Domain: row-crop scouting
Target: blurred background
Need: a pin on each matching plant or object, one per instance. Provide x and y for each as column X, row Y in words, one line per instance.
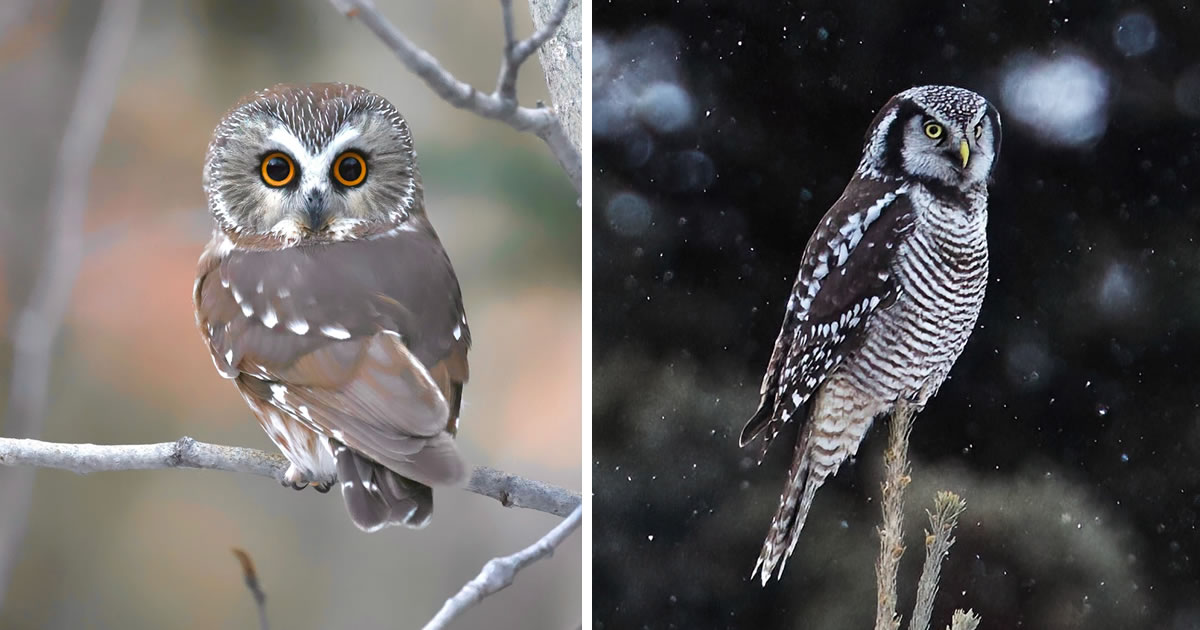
column 1071, row 424
column 151, row 549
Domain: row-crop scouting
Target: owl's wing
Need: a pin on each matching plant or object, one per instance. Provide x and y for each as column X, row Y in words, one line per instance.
column 363, row 341
column 844, row 276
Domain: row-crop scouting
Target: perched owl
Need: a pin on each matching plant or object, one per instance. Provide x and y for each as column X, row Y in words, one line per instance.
column 888, row 291
column 326, row 297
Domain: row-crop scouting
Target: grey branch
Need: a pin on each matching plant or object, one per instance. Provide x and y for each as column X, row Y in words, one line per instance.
column 510, row 490
column 38, row 323
column 500, row 572
column 515, row 53
column 891, row 532
column 499, row 105
column 947, row 507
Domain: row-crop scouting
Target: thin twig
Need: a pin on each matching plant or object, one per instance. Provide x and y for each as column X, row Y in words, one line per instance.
column 542, row 121
column 500, row 572
column 947, row 507
column 38, row 324
column 515, row 53
column 510, row 490
column 891, row 532
column 251, row 577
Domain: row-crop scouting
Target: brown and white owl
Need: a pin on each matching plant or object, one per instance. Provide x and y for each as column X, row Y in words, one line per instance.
column 326, row 297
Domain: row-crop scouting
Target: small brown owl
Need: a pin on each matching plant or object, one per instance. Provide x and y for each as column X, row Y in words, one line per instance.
column 326, row 297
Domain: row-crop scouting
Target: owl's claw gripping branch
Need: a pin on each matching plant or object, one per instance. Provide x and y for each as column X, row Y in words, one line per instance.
column 510, row 490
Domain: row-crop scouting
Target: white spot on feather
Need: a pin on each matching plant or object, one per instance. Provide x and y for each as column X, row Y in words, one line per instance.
column 842, row 254
column 279, row 393
column 457, row 332
column 269, row 319
column 334, row 331
column 298, row 326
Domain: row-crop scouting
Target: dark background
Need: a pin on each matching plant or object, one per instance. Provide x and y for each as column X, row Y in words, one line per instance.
column 1071, row 423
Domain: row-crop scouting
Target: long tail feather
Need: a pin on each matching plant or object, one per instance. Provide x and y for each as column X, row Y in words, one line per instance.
column 794, row 504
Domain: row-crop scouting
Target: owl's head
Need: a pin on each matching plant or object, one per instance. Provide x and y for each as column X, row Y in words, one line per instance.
column 315, row 162
column 938, row 134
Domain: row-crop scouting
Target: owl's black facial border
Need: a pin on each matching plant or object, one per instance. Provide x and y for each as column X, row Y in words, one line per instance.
column 893, row 156
column 993, row 115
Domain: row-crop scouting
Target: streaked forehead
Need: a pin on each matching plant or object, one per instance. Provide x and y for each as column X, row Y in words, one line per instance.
column 316, row 114
column 948, row 102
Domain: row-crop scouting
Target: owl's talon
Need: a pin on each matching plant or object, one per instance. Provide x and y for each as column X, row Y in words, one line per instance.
column 323, row 487
column 294, row 478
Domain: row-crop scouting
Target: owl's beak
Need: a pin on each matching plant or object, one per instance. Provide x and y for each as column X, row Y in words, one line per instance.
column 316, row 210
column 965, row 151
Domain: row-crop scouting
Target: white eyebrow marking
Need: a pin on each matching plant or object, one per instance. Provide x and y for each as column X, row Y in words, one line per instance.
column 288, row 140
column 343, row 137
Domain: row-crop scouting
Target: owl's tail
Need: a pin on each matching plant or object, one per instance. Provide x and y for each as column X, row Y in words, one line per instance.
column 376, row 497
column 794, row 503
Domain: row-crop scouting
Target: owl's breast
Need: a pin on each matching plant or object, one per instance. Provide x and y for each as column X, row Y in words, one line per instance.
column 940, row 269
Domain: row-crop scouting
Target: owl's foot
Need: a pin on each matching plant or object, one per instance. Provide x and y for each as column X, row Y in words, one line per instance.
column 296, row 479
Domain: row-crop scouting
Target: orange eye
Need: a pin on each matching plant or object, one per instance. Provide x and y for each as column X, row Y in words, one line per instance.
column 350, row 169
column 278, row 169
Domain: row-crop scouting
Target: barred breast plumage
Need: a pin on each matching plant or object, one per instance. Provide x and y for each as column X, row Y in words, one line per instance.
column 890, row 287
column 941, row 268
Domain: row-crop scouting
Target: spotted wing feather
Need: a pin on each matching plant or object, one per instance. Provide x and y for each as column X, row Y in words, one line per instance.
column 364, row 342
column 844, row 276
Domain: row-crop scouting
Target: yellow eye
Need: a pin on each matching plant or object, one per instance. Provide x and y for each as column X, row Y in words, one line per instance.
column 978, row 131
column 350, row 169
column 933, row 130
column 278, row 170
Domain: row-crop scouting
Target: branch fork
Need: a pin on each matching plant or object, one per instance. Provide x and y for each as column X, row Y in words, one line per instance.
column 501, row 104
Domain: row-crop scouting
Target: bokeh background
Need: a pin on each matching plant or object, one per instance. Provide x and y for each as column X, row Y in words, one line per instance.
column 723, row 131
column 151, row 549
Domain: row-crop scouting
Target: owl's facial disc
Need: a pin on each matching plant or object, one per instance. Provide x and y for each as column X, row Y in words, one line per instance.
column 952, row 151
column 324, row 161
column 941, row 135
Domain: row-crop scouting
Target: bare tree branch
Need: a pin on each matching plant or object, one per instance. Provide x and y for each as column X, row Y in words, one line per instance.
column 500, row 104
column 38, row 323
column 515, row 53
column 500, row 572
column 510, row 490
column 891, row 532
column 947, row 507
column 251, row 577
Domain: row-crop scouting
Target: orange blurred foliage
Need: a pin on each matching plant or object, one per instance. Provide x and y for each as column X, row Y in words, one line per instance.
column 535, row 337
